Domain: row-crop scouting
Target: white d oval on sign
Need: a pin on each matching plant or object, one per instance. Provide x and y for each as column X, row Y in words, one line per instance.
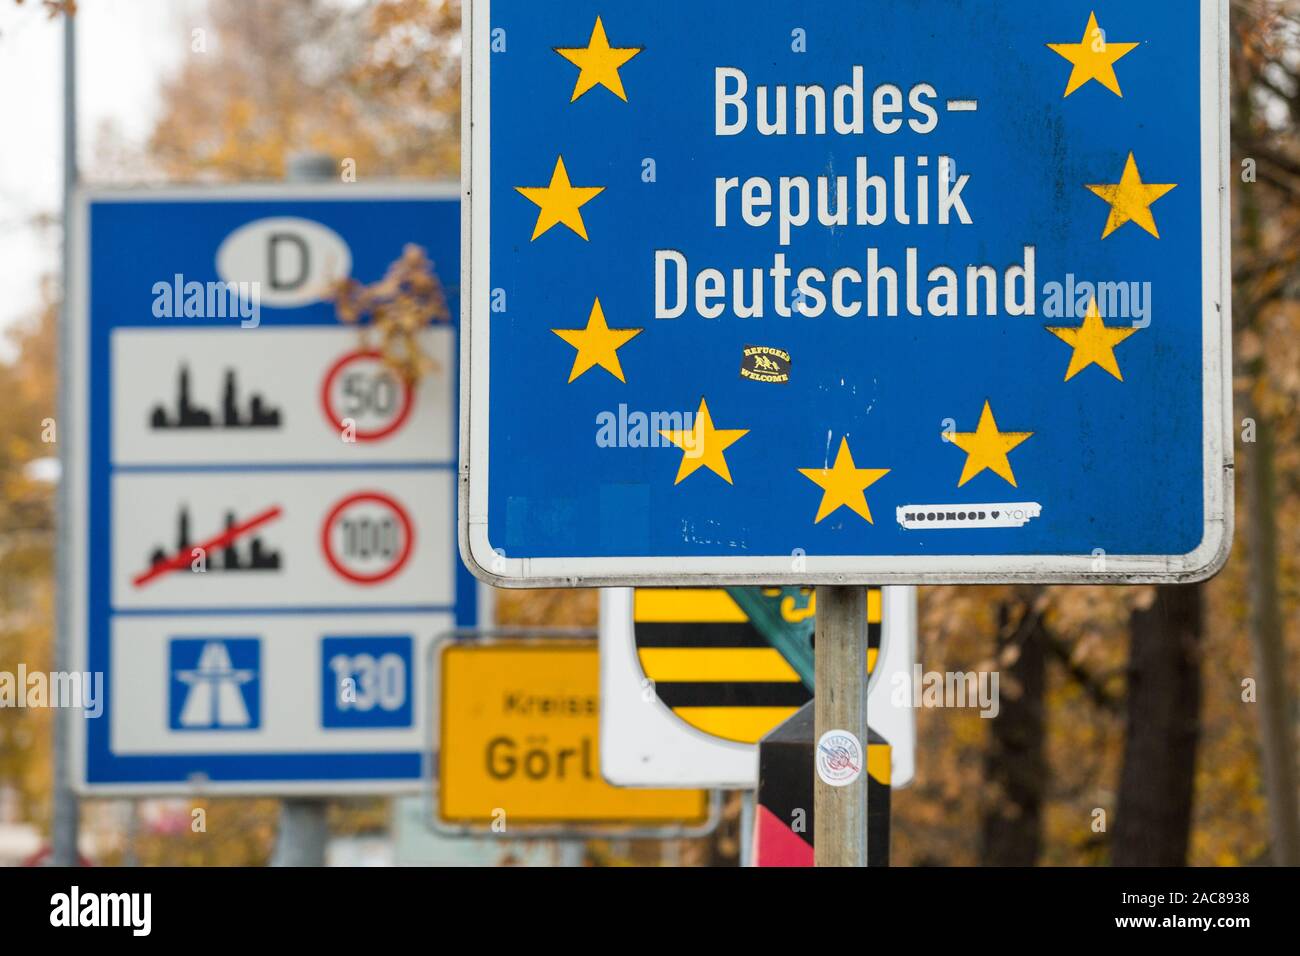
column 293, row 261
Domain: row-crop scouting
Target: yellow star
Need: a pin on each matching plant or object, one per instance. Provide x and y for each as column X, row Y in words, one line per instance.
column 1094, row 343
column 986, row 448
column 599, row 63
column 560, row 201
column 597, row 344
column 1094, row 58
column 843, row 485
column 1131, row 199
column 703, row 446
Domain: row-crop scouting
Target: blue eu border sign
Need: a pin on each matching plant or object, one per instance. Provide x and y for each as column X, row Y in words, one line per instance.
column 261, row 511
column 846, row 293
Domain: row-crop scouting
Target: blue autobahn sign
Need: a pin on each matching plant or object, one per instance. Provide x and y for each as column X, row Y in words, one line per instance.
column 846, row 292
column 261, row 510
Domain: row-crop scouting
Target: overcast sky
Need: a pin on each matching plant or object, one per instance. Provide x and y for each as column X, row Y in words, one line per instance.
column 125, row 48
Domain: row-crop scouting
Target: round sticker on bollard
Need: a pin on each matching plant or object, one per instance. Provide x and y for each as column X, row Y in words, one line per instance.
column 839, row 758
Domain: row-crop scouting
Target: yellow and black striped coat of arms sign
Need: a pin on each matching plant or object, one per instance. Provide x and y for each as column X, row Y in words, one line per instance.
column 710, row 665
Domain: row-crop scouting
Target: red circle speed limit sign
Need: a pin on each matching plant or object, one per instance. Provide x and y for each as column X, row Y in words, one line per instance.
column 367, row 537
column 362, row 390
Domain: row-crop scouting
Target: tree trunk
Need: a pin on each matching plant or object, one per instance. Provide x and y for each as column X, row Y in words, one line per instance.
column 1277, row 737
column 1015, row 766
column 1268, row 644
column 1153, row 819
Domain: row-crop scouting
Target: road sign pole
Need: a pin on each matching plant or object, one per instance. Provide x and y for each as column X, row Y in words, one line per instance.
column 66, row 816
column 748, row 801
column 304, row 831
column 304, row 827
column 840, row 760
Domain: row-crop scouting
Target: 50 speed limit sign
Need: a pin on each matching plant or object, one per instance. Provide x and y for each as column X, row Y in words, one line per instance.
column 365, row 397
column 368, row 537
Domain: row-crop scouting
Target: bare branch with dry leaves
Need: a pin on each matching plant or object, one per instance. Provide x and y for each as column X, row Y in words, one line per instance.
column 400, row 306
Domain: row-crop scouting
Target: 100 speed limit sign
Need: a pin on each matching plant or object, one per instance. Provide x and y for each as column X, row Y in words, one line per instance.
column 367, row 538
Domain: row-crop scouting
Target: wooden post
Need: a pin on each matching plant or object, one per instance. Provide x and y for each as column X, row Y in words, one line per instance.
column 840, row 757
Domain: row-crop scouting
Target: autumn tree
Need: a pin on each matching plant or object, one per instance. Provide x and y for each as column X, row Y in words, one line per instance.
column 1015, row 761
column 28, row 432
column 1154, row 816
column 1266, row 110
column 378, row 85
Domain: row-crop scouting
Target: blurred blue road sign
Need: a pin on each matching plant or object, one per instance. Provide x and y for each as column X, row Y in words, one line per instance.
column 846, row 293
column 261, row 510
column 369, row 681
column 215, row 683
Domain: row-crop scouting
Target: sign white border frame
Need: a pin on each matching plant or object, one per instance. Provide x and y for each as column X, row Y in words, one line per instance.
column 500, row 570
column 76, row 456
column 644, row 744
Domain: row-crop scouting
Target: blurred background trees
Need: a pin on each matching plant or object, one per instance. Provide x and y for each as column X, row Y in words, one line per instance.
column 1138, row 725
column 27, row 551
column 1266, row 106
column 377, row 83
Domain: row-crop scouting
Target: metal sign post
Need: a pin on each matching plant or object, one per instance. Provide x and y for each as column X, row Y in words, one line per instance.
column 304, row 822
column 65, row 810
